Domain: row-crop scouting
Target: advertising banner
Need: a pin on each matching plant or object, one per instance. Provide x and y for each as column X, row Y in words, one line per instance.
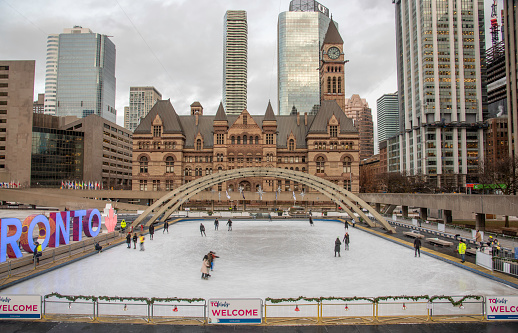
column 20, row 307
column 502, row 307
column 235, row 311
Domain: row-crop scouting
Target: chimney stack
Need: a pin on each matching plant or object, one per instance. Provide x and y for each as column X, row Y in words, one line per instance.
column 305, row 119
column 298, row 119
column 196, row 114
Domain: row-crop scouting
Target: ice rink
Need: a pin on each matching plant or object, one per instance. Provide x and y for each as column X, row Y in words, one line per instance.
column 261, row 259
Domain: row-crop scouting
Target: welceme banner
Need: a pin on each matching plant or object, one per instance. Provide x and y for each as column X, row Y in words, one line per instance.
column 235, row 311
column 502, row 307
column 20, row 307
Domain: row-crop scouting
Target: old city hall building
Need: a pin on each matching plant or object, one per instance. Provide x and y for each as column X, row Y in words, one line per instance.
column 170, row 150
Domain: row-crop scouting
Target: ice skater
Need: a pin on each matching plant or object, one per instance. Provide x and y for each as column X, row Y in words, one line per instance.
column 310, row 220
column 346, row 225
column 142, row 242
column 166, row 227
column 337, row 246
column 37, row 252
column 229, row 224
column 212, row 255
column 128, row 240
column 216, row 224
column 205, row 268
column 417, row 247
column 151, row 231
column 346, row 241
column 135, row 238
column 98, row 247
column 202, row 230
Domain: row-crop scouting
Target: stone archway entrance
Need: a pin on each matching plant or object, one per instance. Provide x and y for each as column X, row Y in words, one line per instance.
column 350, row 203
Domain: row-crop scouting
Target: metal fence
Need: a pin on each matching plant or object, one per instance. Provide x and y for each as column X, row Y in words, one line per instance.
column 505, row 266
column 300, row 311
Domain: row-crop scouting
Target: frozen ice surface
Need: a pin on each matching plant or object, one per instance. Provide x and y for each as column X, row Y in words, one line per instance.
column 261, row 259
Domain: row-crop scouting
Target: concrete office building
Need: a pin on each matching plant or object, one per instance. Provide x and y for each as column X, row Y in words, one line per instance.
column 235, row 59
column 388, row 116
column 39, row 105
column 141, row 100
column 358, row 109
column 80, row 77
column 442, row 87
column 16, row 100
column 301, row 32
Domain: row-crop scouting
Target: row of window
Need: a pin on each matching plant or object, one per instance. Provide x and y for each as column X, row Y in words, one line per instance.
column 334, row 145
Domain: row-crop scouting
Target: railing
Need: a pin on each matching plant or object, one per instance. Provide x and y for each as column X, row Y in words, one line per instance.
column 276, row 311
column 505, row 266
column 20, row 266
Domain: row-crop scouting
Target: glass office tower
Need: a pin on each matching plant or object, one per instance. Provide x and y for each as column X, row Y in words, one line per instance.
column 85, row 76
column 442, row 88
column 301, row 32
column 388, row 116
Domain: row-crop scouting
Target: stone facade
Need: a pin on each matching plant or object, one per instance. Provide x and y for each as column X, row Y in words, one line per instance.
column 170, row 150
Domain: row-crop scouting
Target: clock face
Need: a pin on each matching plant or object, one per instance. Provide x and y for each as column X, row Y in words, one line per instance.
column 333, row 52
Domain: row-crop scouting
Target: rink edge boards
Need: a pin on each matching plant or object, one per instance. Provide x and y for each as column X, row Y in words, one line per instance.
column 440, row 256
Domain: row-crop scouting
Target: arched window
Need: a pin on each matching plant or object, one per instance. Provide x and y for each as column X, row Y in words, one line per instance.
column 232, row 140
column 339, row 85
column 187, row 172
column 303, row 169
column 198, row 144
column 238, row 140
column 256, row 140
column 320, row 164
column 347, row 165
column 334, row 85
column 140, row 145
column 169, row 165
column 291, row 145
column 143, row 164
column 329, row 85
column 244, row 139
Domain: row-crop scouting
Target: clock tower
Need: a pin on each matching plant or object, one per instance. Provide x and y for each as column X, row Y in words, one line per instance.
column 332, row 75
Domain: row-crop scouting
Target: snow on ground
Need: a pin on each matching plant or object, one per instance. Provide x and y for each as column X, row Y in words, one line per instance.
column 261, row 259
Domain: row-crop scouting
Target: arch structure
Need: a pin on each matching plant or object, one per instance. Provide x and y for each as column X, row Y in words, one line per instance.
column 349, row 202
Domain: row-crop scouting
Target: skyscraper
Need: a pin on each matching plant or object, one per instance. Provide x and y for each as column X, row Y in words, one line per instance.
column 80, row 74
column 235, row 49
column 141, row 100
column 301, row 32
column 388, row 118
column 358, row 109
column 511, row 60
column 442, row 88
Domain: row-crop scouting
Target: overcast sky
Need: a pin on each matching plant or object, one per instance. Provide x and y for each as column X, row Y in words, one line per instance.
column 176, row 45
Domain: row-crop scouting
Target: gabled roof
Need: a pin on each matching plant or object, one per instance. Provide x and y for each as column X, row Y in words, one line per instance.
column 327, row 110
column 221, row 115
column 164, row 109
column 269, row 115
column 332, row 34
column 195, row 104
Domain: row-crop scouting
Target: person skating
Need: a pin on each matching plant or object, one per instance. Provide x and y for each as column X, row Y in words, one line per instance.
column 202, row 230
column 151, row 231
column 462, row 250
column 346, row 225
column 310, row 220
column 229, row 224
column 141, row 228
column 417, row 246
column 346, row 241
column 212, row 255
column 166, row 227
column 337, row 246
column 205, row 268
column 142, row 242
column 128, row 240
column 98, row 247
column 216, row 224
column 135, row 238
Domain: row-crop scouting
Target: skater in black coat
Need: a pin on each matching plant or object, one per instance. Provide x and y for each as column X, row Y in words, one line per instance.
column 229, row 223
column 202, row 230
column 337, row 246
column 128, row 240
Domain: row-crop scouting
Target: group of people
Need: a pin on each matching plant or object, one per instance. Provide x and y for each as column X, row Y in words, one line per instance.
column 208, row 264
column 216, row 227
column 338, row 243
column 135, row 238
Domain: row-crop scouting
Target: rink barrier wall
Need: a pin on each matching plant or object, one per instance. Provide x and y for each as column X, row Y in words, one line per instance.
column 458, row 264
column 310, row 311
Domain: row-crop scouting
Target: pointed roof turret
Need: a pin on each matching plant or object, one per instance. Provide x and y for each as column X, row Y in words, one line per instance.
column 221, row 115
column 269, row 115
column 170, row 119
column 332, row 34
